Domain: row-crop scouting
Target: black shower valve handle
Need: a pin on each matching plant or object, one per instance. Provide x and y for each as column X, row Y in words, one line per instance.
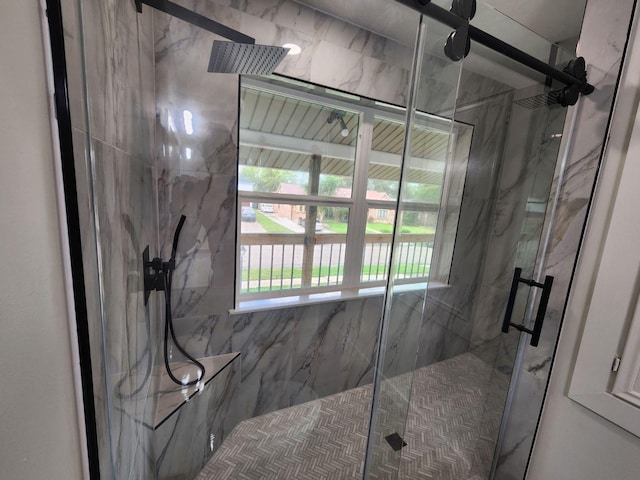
column 154, row 273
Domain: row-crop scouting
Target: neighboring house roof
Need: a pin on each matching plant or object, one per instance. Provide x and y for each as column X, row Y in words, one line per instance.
column 371, row 194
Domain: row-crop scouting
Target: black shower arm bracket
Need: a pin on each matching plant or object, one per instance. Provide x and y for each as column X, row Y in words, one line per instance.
column 542, row 306
column 573, row 76
column 196, row 19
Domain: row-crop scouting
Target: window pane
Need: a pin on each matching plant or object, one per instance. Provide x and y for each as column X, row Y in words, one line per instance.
column 425, row 169
column 385, row 159
column 425, row 175
column 415, row 248
column 294, row 146
column 291, row 246
column 377, row 244
column 415, row 245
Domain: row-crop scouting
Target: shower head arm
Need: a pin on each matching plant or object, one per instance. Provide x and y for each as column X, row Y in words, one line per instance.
column 196, row 19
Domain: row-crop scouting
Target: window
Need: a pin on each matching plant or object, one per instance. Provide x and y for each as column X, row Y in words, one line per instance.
column 318, row 186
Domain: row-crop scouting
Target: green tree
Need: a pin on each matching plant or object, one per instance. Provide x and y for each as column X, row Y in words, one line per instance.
column 265, row 179
column 422, row 192
column 329, row 184
column 389, row 187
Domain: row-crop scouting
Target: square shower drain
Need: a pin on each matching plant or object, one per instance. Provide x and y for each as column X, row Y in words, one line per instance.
column 395, row 441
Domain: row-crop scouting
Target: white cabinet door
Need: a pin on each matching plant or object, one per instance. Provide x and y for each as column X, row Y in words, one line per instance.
column 627, row 383
column 606, row 377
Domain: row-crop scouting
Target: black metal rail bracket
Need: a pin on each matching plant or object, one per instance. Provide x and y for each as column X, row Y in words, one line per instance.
column 154, row 273
column 542, row 306
column 196, row 19
column 573, row 76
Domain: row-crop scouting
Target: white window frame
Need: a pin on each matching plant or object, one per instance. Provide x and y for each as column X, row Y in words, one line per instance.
column 358, row 204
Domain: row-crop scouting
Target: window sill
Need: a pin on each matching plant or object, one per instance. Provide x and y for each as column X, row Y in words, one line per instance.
column 251, row 306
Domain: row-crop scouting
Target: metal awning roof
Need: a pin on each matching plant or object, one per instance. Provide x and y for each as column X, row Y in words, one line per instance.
column 282, row 132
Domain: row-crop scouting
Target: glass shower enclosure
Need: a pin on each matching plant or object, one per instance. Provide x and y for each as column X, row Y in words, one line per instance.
column 338, row 239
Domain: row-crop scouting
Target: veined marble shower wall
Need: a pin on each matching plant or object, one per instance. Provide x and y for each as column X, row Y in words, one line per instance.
column 290, row 355
column 135, row 178
column 209, row 174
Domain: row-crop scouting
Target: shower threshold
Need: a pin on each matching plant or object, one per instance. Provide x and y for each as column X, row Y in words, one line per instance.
column 451, row 429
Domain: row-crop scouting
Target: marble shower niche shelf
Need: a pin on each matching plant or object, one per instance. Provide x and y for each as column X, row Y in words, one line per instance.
column 168, row 397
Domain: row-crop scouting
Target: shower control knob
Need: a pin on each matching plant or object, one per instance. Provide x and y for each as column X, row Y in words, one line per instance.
column 465, row 9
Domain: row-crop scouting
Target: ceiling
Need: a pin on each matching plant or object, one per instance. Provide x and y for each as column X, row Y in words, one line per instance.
column 555, row 20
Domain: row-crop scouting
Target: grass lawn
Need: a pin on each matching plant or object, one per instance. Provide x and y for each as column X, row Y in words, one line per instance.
column 388, row 228
column 286, row 272
column 340, row 227
column 335, row 226
column 269, row 225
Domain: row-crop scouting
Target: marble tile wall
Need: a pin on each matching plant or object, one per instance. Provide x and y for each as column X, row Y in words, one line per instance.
column 530, row 157
column 334, row 53
column 292, row 355
column 450, row 310
column 194, row 186
column 185, row 442
column 602, row 44
column 203, row 188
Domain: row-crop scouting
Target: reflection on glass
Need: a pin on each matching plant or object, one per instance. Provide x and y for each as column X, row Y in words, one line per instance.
column 295, row 182
column 292, row 141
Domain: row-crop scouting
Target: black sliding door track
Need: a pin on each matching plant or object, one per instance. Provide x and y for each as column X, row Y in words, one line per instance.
column 430, row 10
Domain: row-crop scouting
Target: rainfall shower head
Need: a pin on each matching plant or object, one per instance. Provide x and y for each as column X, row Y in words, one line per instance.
column 546, row 99
column 245, row 58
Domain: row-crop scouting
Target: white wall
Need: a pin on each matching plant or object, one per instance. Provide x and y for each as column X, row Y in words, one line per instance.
column 573, row 442
column 38, row 425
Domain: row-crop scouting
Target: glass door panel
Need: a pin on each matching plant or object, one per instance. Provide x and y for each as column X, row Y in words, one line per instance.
column 445, row 365
column 427, row 151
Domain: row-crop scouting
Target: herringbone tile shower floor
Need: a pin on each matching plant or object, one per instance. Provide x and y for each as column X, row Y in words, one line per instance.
column 451, row 427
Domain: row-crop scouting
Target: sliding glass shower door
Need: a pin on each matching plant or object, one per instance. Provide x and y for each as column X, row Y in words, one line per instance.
column 449, row 347
column 426, row 170
column 330, row 350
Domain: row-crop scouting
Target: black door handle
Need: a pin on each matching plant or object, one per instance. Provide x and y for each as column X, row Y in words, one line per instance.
column 542, row 306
